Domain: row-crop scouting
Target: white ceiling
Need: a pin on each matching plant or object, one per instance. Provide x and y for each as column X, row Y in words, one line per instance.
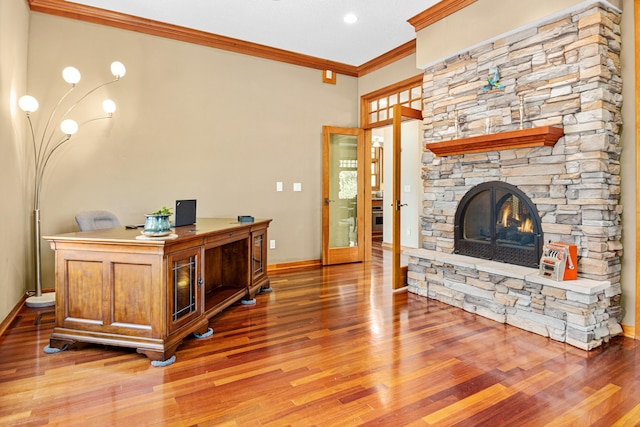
column 311, row 27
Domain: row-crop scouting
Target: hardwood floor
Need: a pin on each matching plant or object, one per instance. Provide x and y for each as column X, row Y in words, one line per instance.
column 329, row 346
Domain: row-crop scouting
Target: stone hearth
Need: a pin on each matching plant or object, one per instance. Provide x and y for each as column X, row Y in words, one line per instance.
column 575, row 311
column 567, row 70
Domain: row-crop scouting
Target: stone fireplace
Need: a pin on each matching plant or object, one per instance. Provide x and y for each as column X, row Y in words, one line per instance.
column 552, row 134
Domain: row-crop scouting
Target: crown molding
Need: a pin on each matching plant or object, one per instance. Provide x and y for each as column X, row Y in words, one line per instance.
column 175, row 32
column 387, row 58
column 437, row 12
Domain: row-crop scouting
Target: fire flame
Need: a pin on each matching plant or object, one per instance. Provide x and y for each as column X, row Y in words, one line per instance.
column 506, row 213
column 525, row 226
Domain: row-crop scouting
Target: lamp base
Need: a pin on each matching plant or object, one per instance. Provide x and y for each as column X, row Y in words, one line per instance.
column 45, row 300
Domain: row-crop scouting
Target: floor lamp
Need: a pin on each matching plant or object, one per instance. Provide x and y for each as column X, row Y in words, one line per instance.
column 45, row 147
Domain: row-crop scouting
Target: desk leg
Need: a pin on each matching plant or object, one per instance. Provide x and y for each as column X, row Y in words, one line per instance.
column 61, row 344
column 159, row 355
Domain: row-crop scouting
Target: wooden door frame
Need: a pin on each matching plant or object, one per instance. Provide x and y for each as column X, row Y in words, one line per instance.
column 400, row 115
column 636, row 29
column 343, row 255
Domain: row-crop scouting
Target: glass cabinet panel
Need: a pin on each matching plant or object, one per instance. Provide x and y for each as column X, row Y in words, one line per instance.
column 259, row 256
column 183, row 287
column 258, row 266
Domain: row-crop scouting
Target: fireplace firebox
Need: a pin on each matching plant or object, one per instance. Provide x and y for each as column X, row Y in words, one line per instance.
column 497, row 221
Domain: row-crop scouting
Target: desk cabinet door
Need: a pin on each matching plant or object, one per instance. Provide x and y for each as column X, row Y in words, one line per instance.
column 259, row 255
column 184, row 280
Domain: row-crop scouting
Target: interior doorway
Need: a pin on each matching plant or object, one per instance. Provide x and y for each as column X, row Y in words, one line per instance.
column 410, row 186
column 405, row 137
column 385, row 108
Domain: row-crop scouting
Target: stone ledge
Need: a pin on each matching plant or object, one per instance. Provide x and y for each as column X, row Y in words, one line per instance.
column 581, row 286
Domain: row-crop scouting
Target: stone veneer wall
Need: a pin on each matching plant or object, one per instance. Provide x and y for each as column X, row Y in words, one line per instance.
column 568, row 70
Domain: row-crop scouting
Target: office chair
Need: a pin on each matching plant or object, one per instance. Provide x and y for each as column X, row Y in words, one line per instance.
column 96, row 220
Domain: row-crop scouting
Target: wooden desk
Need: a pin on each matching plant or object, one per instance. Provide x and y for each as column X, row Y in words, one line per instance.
column 114, row 289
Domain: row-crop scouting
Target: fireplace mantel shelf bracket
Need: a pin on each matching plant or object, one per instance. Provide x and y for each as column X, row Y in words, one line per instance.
column 521, row 138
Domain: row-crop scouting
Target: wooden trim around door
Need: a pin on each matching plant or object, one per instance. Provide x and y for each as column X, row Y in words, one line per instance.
column 636, row 29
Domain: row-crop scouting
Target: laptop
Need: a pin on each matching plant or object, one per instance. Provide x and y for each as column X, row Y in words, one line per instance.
column 185, row 212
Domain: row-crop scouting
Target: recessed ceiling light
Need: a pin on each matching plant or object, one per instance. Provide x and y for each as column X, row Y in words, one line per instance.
column 350, row 18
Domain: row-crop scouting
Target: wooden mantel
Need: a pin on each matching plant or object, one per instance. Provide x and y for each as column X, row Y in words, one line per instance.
column 522, row 138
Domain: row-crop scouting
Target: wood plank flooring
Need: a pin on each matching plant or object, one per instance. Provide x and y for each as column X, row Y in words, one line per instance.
column 328, row 347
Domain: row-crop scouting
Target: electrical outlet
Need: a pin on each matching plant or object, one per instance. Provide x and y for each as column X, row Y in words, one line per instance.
column 272, row 244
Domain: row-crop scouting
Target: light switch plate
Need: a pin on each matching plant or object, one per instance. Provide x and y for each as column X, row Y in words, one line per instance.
column 279, row 186
column 297, row 186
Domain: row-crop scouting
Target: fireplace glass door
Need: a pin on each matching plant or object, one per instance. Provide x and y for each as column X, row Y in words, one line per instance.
column 497, row 221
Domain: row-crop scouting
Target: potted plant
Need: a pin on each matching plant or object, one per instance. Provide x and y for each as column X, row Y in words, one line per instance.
column 157, row 223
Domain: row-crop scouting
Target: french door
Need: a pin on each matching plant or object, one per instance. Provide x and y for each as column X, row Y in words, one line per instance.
column 343, row 190
column 346, row 190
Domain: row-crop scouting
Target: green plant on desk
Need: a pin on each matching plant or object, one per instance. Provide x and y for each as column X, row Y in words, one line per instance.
column 162, row 211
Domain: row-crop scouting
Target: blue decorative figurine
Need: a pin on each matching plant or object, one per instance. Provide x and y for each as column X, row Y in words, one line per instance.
column 493, row 82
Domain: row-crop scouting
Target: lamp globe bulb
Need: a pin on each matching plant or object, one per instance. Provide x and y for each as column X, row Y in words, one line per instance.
column 28, row 104
column 118, row 69
column 108, row 106
column 69, row 127
column 71, row 75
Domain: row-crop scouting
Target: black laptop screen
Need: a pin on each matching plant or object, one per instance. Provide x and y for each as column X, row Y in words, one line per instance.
column 185, row 212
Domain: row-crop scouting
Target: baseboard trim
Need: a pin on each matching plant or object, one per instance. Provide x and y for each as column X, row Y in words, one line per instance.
column 629, row 331
column 312, row 263
column 388, row 246
column 12, row 315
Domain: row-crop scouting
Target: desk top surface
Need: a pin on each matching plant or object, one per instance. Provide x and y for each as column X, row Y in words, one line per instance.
column 202, row 227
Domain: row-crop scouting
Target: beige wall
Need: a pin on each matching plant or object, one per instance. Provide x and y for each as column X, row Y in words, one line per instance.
column 393, row 73
column 192, row 122
column 14, row 227
column 628, row 165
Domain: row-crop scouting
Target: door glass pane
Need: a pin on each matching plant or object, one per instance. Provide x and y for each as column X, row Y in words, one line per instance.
column 404, row 96
column 343, row 191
